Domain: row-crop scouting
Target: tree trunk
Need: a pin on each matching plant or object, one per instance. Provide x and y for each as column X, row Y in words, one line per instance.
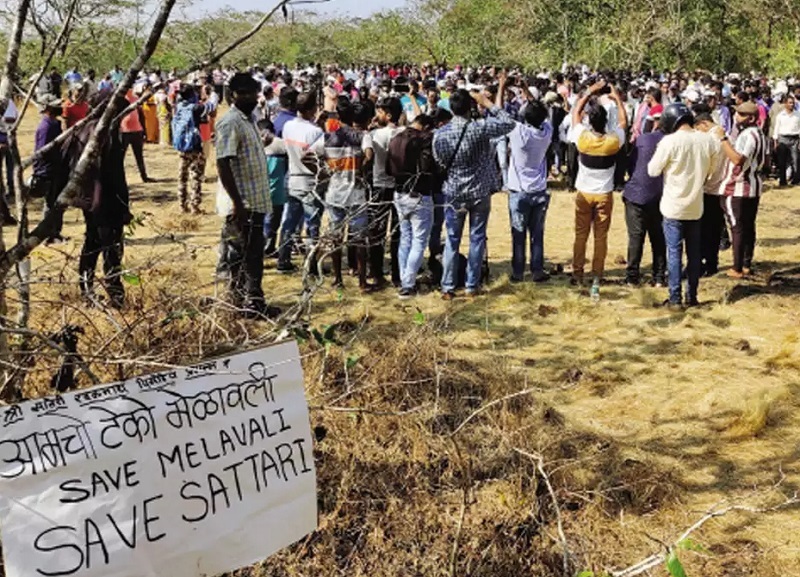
column 8, row 393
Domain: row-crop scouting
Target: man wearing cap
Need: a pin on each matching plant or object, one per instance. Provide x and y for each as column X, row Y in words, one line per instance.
column 244, row 177
column 685, row 157
column 742, row 185
column 786, row 136
column 642, row 195
column 48, row 178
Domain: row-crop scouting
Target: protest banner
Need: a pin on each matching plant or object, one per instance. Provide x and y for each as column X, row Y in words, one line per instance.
column 187, row 472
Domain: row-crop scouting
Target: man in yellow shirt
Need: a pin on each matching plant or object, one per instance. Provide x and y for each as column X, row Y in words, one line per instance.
column 597, row 145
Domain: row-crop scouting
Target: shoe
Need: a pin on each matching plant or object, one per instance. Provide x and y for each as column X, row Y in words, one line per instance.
column 287, row 268
column 148, row 180
column 473, row 294
column 747, row 271
column 735, row 274
column 378, row 284
column 692, row 303
column 448, row 296
column 660, row 284
column 337, row 284
column 576, row 281
column 55, row 239
column 260, row 311
column 632, row 283
column 516, row 279
column 710, row 272
column 406, row 294
column 541, row 277
column 668, row 304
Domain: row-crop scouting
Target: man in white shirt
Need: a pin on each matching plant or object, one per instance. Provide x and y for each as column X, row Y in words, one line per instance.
column 8, row 115
column 786, row 134
column 685, row 157
column 300, row 135
column 381, row 207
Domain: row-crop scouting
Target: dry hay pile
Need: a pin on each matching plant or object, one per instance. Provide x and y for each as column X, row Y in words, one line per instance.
column 415, row 478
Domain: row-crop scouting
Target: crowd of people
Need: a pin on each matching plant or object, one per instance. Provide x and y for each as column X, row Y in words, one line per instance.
column 402, row 156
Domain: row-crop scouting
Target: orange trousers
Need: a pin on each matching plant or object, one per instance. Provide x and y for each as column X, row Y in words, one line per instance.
column 592, row 211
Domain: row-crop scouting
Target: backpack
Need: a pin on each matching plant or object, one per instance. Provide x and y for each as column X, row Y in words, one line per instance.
column 410, row 161
column 185, row 134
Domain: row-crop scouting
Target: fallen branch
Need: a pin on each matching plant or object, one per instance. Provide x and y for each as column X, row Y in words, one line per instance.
column 494, row 403
column 560, row 525
column 715, row 512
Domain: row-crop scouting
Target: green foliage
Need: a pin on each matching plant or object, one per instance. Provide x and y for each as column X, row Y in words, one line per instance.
column 674, row 566
column 709, row 34
column 131, row 278
column 691, row 545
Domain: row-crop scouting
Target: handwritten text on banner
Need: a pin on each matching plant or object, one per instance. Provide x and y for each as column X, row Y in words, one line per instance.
column 183, row 473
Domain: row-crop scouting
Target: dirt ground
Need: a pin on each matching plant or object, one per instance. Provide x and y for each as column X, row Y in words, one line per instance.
column 710, row 395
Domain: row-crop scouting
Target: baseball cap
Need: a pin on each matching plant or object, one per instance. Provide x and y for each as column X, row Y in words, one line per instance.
column 747, row 108
column 691, row 95
column 50, row 101
column 655, row 112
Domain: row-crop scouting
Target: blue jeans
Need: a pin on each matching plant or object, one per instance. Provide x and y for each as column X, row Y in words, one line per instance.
column 455, row 214
column 678, row 233
column 296, row 210
column 356, row 220
column 416, row 220
column 528, row 212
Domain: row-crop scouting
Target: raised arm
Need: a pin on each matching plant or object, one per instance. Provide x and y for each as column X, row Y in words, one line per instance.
column 622, row 114
column 498, row 122
column 577, row 112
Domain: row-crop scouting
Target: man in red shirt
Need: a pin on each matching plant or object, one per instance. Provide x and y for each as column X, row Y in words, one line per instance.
column 76, row 108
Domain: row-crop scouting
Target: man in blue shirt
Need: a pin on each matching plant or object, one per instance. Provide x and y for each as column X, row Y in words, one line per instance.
column 528, row 197
column 48, row 178
column 642, row 196
column 464, row 151
column 287, row 103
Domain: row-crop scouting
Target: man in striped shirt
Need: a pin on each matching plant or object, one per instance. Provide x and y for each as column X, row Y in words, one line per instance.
column 742, row 184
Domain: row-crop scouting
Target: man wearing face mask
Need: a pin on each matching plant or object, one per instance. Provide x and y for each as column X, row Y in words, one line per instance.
column 244, row 177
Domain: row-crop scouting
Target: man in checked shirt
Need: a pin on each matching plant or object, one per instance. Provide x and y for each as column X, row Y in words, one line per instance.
column 464, row 152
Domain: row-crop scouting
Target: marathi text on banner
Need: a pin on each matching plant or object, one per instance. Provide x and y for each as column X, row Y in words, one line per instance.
column 187, row 472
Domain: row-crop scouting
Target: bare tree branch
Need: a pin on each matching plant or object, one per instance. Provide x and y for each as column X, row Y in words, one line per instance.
column 242, row 39
column 715, row 512
column 63, row 34
column 539, row 460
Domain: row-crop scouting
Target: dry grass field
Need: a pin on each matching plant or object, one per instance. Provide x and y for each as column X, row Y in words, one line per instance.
column 644, row 418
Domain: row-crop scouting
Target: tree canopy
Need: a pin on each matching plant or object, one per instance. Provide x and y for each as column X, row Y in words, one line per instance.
column 662, row 34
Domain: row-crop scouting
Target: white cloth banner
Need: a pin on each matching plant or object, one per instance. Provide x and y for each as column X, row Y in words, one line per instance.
column 188, row 472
